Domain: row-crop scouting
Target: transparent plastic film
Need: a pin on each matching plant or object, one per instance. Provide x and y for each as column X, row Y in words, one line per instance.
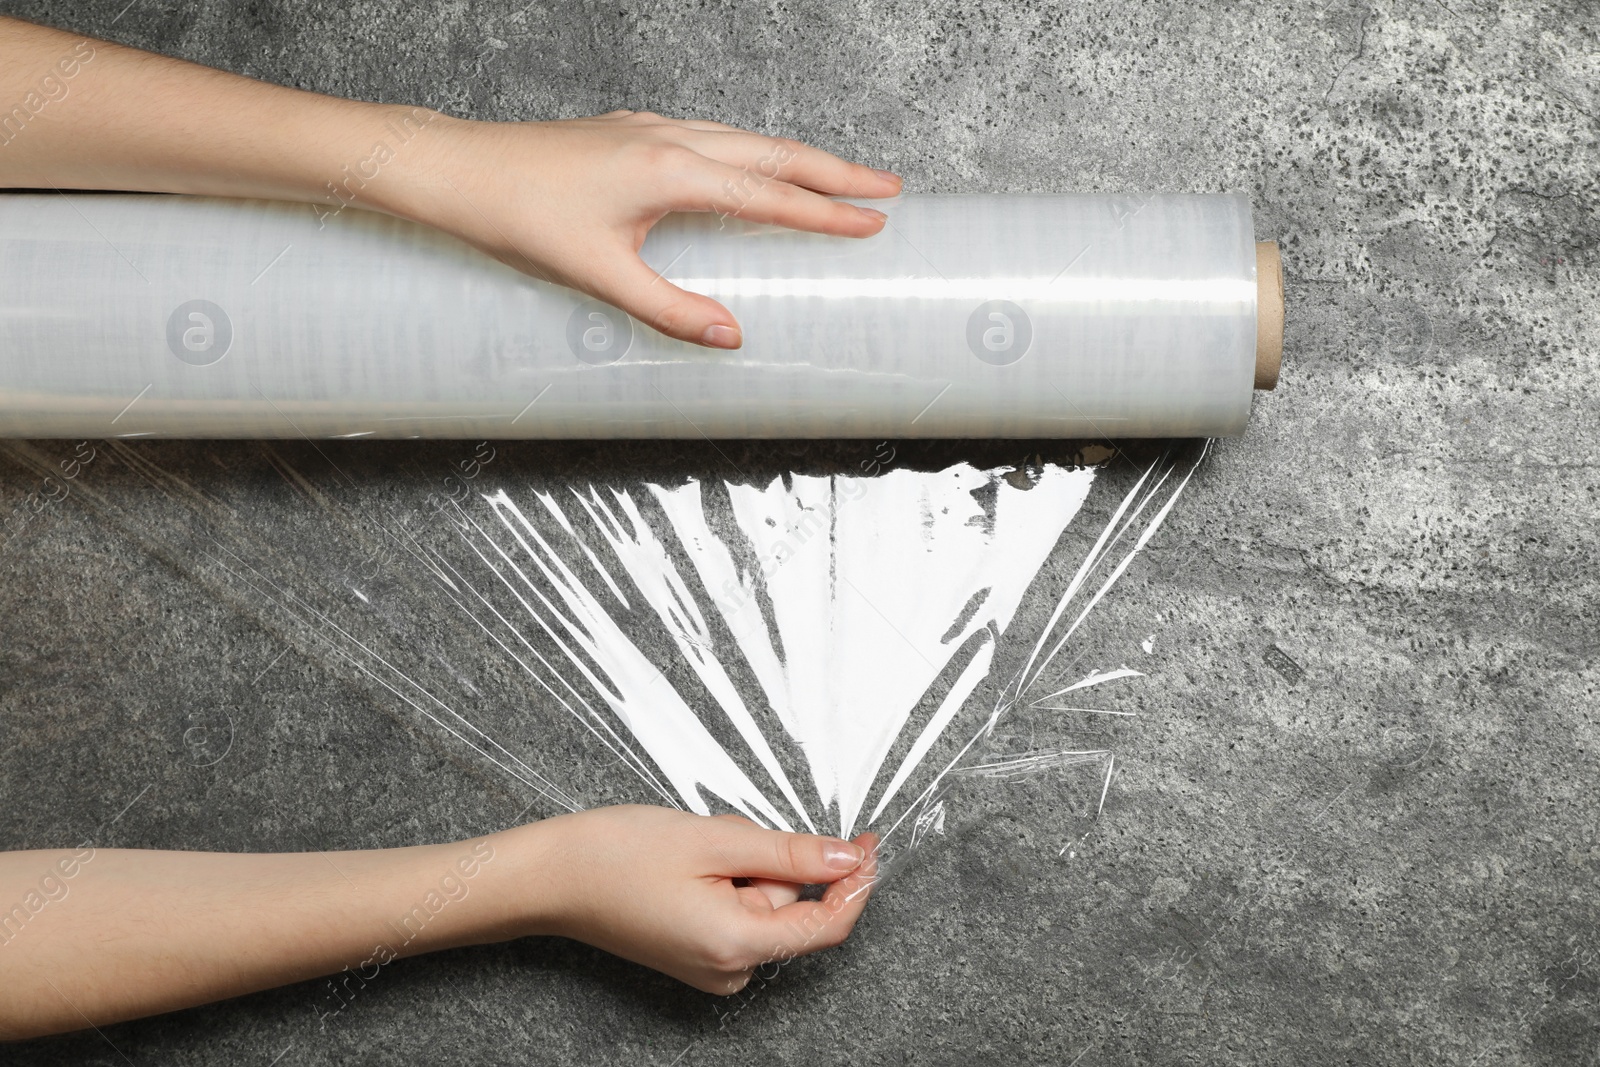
column 971, row 316
column 869, row 640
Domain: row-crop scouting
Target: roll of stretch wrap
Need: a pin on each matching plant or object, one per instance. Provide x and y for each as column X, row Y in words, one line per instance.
column 968, row 316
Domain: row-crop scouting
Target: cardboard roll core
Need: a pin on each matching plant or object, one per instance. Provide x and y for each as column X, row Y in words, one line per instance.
column 1269, row 314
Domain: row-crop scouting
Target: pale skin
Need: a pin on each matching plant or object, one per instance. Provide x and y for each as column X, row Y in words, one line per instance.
column 124, row 933
column 568, row 201
column 105, row 935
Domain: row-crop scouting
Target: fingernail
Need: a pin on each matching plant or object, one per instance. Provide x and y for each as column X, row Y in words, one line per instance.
column 888, row 175
column 872, row 213
column 721, row 337
column 842, row 856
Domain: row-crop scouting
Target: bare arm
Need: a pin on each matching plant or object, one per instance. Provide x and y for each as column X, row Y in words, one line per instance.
column 129, row 933
column 568, row 201
column 88, row 114
column 94, row 936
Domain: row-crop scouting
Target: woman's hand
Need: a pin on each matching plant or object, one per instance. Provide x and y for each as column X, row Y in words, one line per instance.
column 703, row 900
column 572, row 201
column 567, row 201
column 111, row 934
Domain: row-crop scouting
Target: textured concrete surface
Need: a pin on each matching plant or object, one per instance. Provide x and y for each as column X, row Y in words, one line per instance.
column 1376, row 844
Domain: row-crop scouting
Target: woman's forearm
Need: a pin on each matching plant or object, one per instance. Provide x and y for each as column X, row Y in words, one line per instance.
column 568, row 201
column 95, row 936
column 85, row 114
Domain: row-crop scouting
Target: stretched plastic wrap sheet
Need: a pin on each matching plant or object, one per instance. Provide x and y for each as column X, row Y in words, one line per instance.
column 832, row 642
column 1048, row 316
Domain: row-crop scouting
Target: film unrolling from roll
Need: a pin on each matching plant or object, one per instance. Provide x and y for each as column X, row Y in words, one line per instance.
column 814, row 648
column 1023, row 316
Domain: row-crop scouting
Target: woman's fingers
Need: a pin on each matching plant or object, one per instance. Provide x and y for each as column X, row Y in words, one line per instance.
column 760, row 158
column 797, row 928
column 703, row 125
column 754, row 898
column 800, row 859
column 809, row 926
column 730, row 192
column 642, row 166
column 623, row 280
column 763, row 158
column 626, row 282
column 765, row 894
column 742, row 820
column 651, row 118
column 778, row 894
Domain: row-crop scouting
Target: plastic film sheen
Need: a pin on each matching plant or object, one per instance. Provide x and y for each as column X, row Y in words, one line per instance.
column 968, row 316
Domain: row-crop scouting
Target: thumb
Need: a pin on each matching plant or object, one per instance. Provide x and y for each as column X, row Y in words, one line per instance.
column 625, row 281
column 753, row 852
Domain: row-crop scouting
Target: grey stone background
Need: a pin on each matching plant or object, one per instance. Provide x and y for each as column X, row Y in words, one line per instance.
column 1375, row 845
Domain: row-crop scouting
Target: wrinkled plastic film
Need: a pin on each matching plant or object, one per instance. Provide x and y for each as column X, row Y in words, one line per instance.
column 1057, row 316
column 888, row 647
